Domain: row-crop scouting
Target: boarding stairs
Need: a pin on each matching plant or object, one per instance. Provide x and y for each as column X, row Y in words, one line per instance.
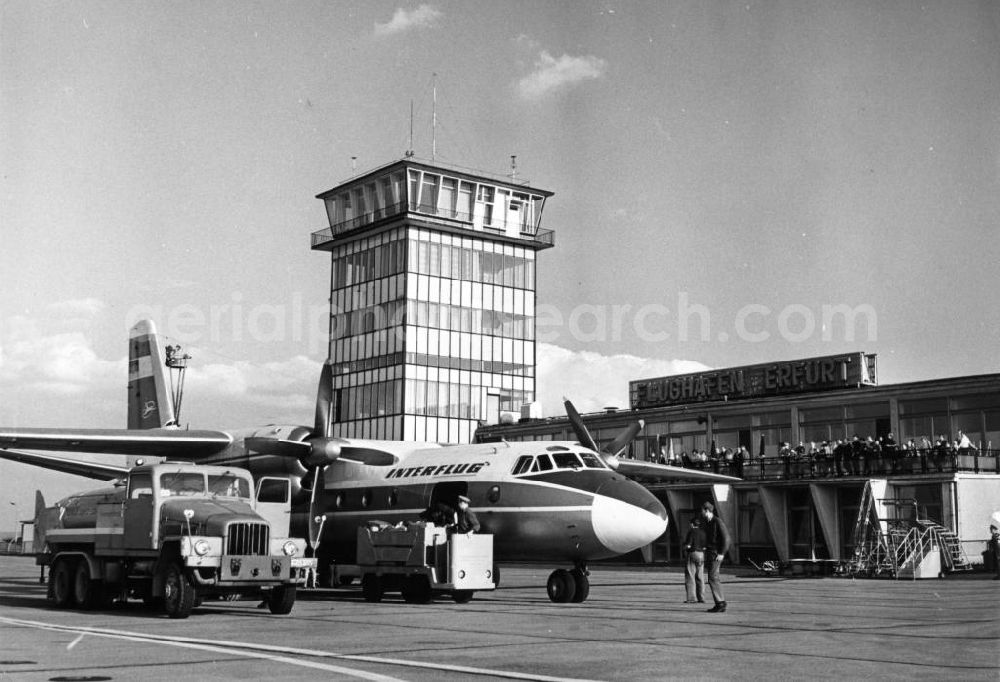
column 902, row 547
column 871, row 548
column 954, row 558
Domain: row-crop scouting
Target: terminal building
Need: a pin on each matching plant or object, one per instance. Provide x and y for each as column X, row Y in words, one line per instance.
column 787, row 506
column 432, row 294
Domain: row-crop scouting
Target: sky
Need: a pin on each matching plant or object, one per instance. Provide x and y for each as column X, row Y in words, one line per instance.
column 734, row 183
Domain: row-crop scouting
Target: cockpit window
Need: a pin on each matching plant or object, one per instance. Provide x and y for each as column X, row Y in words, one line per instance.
column 542, row 463
column 567, row 460
column 523, row 464
column 181, row 483
column 227, row 485
column 591, row 461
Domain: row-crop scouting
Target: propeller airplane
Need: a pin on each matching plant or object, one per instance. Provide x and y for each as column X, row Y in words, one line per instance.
column 563, row 502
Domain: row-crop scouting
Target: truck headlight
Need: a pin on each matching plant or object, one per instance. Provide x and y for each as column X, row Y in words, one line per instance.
column 201, row 547
column 289, row 548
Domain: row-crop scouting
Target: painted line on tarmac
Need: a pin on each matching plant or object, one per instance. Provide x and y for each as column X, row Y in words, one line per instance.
column 195, row 644
column 270, row 652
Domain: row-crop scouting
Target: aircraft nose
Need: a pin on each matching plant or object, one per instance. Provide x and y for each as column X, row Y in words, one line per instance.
column 626, row 516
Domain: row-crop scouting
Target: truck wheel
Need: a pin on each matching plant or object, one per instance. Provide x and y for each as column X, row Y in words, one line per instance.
column 462, row 596
column 282, row 599
column 86, row 591
column 371, row 587
column 60, row 584
column 561, row 586
column 178, row 593
column 417, row 589
column 496, row 575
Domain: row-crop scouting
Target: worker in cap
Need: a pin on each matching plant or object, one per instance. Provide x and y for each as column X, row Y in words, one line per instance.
column 717, row 542
column 465, row 519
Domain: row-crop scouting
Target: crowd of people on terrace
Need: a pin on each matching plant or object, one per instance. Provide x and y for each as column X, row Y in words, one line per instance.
column 846, row 457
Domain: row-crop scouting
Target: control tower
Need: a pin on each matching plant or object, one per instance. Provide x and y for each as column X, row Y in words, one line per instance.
column 432, row 299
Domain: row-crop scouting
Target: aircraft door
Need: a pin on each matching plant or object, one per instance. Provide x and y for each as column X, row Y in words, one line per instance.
column 448, row 493
column 274, row 504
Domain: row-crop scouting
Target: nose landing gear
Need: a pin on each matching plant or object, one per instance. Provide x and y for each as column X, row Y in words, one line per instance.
column 569, row 586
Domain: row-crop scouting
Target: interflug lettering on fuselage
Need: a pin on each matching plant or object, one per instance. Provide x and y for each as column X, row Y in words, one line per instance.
column 437, row 470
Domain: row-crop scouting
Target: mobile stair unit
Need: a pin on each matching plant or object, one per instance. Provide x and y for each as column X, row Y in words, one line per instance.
column 901, row 547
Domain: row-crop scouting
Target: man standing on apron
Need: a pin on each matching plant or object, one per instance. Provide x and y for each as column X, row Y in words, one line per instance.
column 694, row 577
column 716, row 545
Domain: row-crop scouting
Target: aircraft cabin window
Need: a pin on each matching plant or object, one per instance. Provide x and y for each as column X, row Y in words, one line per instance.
column 493, row 494
column 523, row 464
column 567, row 460
column 591, row 461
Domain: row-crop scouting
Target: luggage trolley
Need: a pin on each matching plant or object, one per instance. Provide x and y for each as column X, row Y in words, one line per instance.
column 421, row 559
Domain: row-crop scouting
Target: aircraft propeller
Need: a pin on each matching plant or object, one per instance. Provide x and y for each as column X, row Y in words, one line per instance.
column 614, row 448
column 317, row 452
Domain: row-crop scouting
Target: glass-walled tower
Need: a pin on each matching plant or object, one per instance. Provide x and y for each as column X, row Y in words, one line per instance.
column 432, row 300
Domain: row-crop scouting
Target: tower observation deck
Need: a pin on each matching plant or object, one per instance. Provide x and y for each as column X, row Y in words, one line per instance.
column 432, row 299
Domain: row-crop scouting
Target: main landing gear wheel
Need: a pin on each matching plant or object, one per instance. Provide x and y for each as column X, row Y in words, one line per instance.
column 561, row 586
column 582, row 583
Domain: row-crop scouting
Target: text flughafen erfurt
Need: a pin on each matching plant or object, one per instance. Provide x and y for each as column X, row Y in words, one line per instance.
column 754, row 381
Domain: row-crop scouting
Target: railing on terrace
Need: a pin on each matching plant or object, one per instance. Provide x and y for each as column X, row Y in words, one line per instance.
column 328, row 234
column 820, row 466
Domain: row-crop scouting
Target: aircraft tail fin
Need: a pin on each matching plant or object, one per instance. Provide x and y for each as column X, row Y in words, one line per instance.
column 150, row 403
column 40, row 521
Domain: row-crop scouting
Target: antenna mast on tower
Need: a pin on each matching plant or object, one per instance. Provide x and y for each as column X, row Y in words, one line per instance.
column 409, row 151
column 434, row 116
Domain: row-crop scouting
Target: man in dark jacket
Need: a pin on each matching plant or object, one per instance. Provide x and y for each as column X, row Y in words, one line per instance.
column 465, row 519
column 694, row 576
column 993, row 548
column 717, row 542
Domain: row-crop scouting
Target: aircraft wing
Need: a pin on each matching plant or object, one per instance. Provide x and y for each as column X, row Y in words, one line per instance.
column 101, row 472
column 175, row 443
column 650, row 470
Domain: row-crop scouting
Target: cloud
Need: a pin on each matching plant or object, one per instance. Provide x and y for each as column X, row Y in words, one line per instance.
column 52, row 375
column 551, row 74
column 603, row 383
column 52, row 354
column 423, row 16
column 77, row 308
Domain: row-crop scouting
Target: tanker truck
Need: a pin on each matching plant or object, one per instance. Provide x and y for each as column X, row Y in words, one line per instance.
column 173, row 534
